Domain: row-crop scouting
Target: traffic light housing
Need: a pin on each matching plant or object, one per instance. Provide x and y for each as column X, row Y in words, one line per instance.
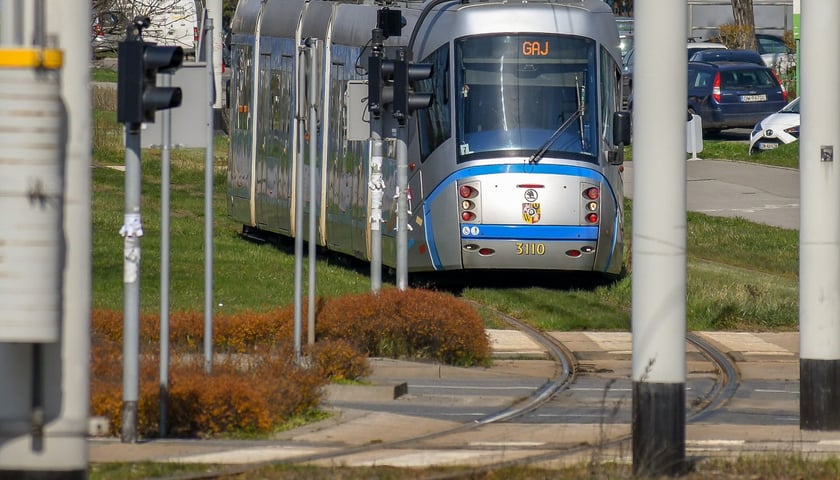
column 380, row 84
column 406, row 100
column 138, row 96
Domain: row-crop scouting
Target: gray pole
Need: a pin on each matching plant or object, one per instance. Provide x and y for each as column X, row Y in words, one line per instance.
column 165, row 178
column 377, row 190
column 67, row 437
column 313, row 168
column 300, row 99
column 11, row 22
column 659, row 239
column 376, row 185
column 131, row 231
column 819, row 231
column 402, row 209
column 208, row 211
column 214, row 13
column 402, row 191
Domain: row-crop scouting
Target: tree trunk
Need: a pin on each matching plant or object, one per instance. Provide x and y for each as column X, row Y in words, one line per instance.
column 742, row 10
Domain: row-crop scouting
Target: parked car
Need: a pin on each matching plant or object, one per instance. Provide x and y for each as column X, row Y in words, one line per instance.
column 727, row 55
column 627, row 67
column 694, row 47
column 775, row 52
column 733, row 95
column 777, row 129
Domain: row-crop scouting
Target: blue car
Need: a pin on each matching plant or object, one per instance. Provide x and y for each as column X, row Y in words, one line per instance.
column 733, row 95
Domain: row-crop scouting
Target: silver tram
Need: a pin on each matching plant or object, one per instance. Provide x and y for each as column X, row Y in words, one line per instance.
column 516, row 165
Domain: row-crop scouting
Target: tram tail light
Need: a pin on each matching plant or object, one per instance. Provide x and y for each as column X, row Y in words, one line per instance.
column 469, row 202
column 590, row 204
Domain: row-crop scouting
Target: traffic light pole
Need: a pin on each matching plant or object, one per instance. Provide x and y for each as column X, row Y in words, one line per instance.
column 138, row 98
column 131, row 231
column 376, row 185
column 402, row 208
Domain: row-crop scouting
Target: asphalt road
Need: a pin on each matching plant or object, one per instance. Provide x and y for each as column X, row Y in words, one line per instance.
column 758, row 193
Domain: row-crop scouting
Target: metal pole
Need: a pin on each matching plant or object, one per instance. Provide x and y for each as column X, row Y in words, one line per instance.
column 659, row 240
column 131, row 231
column 165, row 179
column 208, row 211
column 819, row 231
column 68, row 450
column 402, row 209
column 313, row 168
column 214, row 12
column 300, row 98
column 376, row 185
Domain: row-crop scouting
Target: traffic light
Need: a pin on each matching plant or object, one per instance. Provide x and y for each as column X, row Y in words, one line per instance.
column 380, row 84
column 138, row 96
column 406, row 100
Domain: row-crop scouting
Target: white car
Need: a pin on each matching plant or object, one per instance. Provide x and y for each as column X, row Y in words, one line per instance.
column 777, row 129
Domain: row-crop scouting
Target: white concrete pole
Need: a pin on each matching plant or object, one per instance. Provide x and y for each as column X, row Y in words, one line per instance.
column 659, row 238
column 214, row 13
column 819, row 231
column 62, row 369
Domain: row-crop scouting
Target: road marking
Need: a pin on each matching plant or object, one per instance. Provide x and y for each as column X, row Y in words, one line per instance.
column 506, row 444
column 715, row 443
column 762, row 390
column 427, row 458
column 460, row 387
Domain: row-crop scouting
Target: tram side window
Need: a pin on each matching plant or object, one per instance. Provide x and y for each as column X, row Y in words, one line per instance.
column 610, row 98
column 434, row 123
column 242, row 101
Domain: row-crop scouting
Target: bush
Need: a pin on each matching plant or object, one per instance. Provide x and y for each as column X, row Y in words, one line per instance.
column 408, row 324
column 255, row 385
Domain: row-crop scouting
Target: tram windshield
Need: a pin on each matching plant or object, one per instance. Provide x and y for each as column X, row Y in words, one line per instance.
column 514, row 91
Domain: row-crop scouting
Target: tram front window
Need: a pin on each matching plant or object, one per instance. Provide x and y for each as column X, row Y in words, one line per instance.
column 514, row 91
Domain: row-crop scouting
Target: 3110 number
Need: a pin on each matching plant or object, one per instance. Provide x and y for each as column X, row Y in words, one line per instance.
column 530, row 248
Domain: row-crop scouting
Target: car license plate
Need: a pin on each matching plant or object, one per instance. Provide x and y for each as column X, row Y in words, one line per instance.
column 767, row 146
column 754, row 98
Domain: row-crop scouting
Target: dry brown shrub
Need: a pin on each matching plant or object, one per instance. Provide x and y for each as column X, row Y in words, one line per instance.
column 337, row 359
column 412, row 324
column 255, row 384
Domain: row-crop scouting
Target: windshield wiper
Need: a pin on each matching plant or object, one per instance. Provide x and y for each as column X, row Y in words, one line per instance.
column 537, row 156
column 578, row 114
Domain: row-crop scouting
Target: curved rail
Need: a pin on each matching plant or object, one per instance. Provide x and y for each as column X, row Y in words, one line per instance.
column 564, row 377
column 729, row 378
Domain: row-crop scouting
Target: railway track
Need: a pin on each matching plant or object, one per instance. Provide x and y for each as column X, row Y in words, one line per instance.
column 554, row 393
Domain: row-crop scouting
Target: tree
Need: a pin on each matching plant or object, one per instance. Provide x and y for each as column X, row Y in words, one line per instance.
column 742, row 10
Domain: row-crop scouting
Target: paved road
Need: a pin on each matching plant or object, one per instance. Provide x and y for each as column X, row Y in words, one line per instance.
column 757, row 193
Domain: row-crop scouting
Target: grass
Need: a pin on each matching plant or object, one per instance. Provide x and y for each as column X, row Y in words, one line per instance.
column 757, row 466
column 740, row 274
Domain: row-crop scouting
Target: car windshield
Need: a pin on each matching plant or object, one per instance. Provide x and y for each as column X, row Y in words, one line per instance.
column 514, row 91
column 792, row 107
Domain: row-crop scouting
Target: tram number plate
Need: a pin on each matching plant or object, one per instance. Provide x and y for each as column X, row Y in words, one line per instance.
column 530, row 248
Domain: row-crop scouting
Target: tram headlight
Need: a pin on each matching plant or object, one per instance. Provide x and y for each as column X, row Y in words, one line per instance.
column 467, row 205
column 592, row 206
